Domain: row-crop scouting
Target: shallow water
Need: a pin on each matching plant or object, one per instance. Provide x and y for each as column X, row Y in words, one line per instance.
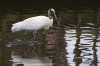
column 76, row 43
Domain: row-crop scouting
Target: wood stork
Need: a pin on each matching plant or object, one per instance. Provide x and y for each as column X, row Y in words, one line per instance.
column 33, row 24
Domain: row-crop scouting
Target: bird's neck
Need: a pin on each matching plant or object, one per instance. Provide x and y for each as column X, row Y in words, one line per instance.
column 50, row 16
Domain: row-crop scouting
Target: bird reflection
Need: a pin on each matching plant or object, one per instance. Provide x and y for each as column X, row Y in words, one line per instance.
column 50, row 52
column 27, row 56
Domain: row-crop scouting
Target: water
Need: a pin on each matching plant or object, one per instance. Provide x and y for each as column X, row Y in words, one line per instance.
column 76, row 43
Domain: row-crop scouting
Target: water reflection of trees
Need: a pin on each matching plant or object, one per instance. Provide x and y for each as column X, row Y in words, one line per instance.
column 96, row 33
column 86, row 23
column 77, row 52
column 56, row 47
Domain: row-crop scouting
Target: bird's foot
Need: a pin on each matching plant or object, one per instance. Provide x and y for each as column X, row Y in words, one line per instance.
column 44, row 32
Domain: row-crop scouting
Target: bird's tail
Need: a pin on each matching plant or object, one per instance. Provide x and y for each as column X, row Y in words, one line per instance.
column 16, row 27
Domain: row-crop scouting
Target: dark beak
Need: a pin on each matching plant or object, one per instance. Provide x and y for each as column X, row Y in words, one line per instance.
column 58, row 22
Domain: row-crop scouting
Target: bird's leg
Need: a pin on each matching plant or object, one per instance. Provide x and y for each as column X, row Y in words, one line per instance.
column 34, row 33
column 24, row 38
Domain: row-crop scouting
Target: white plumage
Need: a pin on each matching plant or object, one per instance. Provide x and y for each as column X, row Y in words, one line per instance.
column 35, row 23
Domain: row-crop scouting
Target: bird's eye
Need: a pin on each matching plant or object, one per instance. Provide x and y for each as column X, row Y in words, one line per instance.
column 51, row 13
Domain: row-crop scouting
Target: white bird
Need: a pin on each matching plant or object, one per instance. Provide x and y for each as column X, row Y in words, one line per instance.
column 35, row 23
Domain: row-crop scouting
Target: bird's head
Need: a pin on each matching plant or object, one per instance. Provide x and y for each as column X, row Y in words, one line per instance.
column 52, row 15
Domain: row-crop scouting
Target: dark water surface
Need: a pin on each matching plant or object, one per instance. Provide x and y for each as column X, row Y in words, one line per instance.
column 76, row 43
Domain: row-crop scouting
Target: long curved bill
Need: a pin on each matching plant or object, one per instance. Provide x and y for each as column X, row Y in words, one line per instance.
column 57, row 20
